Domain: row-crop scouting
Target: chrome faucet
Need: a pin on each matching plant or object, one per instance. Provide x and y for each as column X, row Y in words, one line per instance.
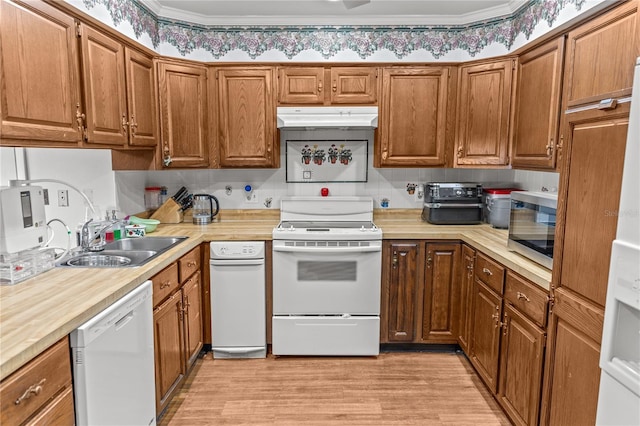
column 86, row 239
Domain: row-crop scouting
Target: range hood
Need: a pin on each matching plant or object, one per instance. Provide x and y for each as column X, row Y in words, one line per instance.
column 327, row 117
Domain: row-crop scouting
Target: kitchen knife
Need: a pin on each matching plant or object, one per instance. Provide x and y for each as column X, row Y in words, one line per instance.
column 182, row 192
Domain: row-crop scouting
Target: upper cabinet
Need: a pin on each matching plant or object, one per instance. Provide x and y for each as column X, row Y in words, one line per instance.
column 328, row 85
column 246, row 117
column 537, row 107
column 484, row 99
column 40, row 90
column 183, row 114
column 142, row 103
column 600, row 57
column 104, row 88
column 413, row 117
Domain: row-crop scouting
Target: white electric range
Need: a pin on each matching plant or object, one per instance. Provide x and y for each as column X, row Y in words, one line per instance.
column 327, row 257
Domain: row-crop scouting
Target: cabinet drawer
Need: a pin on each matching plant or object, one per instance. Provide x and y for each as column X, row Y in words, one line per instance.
column 527, row 298
column 489, row 272
column 165, row 283
column 59, row 412
column 189, row 263
column 35, row 384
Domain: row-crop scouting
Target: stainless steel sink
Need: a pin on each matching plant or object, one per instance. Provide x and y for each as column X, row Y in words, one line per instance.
column 129, row 252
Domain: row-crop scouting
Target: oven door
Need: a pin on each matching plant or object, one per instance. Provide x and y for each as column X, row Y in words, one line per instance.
column 326, row 277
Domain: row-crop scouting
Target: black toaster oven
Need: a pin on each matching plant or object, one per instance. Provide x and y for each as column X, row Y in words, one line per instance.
column 447, row 203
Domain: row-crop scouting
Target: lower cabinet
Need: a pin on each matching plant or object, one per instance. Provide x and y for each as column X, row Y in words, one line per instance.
column 40, row 392
column 178, row 328
column 419, row 291
column 463, row 314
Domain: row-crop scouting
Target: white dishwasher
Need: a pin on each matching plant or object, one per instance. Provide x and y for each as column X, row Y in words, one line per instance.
column 113, row 366
column 238, row 311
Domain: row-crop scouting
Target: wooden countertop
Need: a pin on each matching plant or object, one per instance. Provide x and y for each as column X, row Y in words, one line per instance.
column 40, row 311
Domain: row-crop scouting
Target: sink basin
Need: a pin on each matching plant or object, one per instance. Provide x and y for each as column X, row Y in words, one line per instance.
column 129, row 252
column 99, row 261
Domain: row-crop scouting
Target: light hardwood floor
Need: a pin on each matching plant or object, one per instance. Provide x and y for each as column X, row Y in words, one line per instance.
column 395, row 388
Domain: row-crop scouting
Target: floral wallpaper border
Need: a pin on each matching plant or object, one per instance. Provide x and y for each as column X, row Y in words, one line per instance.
column 328, row 41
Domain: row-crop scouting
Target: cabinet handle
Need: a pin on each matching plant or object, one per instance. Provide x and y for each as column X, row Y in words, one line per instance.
column 125, row 123
column 505, row 325
column 487, row 271
column 133, row 124
column 559, row 145
column 320, row 87
column 394, row 260
column 496, row 316
column 31, row 390
column 165, row 285
column 522, row 296
column 181, row 310
column 191, row 264
column 166, row 159
column 549, row 148
column 335, row 86
column 80, row 121
column 460, row 152
column 429, row 260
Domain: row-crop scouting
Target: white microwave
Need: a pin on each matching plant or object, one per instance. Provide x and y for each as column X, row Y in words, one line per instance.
column 532, row 225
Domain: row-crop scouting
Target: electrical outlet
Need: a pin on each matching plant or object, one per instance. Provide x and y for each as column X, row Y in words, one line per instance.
column 251, row 198
column 63, row 198
column 418, row 196
column 45, row 194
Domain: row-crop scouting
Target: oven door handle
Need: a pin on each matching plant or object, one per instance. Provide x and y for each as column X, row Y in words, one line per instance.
column 456, row 205
column 327, row 249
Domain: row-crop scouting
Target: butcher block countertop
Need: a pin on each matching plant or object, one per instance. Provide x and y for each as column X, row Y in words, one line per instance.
column 38, row 312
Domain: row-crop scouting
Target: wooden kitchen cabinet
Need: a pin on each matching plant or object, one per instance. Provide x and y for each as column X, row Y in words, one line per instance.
column 40, row 92
column 484, row 108
column 412, row 127
column 178, row 327
column 485, row 333
column 183, row 115
column 537, row 107
column 403, row 263
column 522, row 349
column 41, row 391
column 246, row 119
column 600, row 57
column 442, row 281
column 465, row 297
column 142, row 104
column 327, row 85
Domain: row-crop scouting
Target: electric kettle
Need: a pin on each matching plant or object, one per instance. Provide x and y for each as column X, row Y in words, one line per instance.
column 203, row 209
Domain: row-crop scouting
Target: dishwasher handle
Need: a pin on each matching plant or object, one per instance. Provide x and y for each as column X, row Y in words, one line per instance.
column 236, row 262
column 337, row 250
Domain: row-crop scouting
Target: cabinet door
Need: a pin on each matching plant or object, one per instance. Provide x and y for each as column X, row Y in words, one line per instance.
column 521, row 357
column 600, row 57
column 572, row 373
column 192, row 299
column 183, row 106
column 301, row 85
column 590, row 186
column 537, row 107
column 466, row 297
column 402, row 279
column 39, row 64
column 169, row 348
column 485, row 333
column 412, row 123
column 141, row 99
column 442, row 279
column 482, row 134
column 104, row 88
column 247, row 120
column 354, row 85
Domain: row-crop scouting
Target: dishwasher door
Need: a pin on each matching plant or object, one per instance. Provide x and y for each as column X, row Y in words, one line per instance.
column 113, row 364
column 238, row 308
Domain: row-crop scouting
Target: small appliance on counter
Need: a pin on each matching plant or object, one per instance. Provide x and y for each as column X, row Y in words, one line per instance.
column 204, row 211
column 452, row 203
column 497, row 205
column 532, row 225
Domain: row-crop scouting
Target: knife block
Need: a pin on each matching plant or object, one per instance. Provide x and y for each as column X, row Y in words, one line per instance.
column 169, row 212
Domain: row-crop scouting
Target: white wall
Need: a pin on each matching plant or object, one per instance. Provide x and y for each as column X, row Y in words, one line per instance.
column 87, row 169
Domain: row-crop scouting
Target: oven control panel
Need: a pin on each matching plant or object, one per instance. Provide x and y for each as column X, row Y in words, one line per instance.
column 237, row 249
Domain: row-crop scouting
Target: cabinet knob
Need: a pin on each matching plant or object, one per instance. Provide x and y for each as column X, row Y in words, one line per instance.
column 34, row 389
column 335, row 86
column 320, row 87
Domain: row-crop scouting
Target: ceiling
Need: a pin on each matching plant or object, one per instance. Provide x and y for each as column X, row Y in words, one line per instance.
column 327, row 12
